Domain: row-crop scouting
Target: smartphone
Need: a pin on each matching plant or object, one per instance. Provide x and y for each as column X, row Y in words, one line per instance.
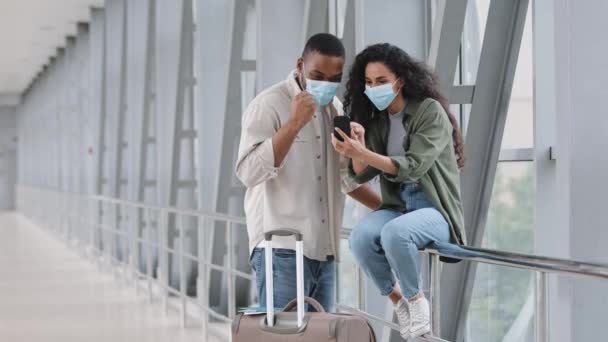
column 342, row 122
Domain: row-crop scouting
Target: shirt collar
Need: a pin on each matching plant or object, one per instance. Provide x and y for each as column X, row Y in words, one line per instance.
column 411, row 106
column 293, row 87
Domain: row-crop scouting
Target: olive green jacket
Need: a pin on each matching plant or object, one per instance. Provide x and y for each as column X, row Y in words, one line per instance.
column 429, row 159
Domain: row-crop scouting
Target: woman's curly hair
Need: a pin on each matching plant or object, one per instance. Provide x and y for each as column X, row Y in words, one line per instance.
column 418, row 83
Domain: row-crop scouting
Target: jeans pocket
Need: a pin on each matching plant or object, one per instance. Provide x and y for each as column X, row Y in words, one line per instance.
column 408, row 192
column 255, row 259
column 284, row 254
column 414, row 197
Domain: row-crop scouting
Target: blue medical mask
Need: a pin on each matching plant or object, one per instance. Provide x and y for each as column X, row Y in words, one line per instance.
column 381, row 96
column 322, row 91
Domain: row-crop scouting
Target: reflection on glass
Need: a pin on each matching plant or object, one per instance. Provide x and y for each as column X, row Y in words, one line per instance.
column 518, row 131
column 341, row 6
column 353, row 213
column 502, row 304
column 519, row 128
column 347, row 294
column 472, row 38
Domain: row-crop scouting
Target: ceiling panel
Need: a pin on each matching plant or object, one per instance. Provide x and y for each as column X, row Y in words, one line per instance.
column 30, row 33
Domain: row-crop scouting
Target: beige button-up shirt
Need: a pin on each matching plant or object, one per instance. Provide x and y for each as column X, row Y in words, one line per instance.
column 305, row 191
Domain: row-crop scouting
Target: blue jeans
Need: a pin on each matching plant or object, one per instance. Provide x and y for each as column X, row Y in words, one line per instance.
column 387, row 241
column 319, row 277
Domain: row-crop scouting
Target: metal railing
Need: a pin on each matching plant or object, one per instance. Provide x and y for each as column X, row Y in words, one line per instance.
column 82, row 220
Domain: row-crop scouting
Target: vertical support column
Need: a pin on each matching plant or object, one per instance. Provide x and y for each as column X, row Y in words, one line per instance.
column 445, row 42
column 84, row 105
column 360, row 285
column 552, row 137
column 214, row 46
column 221, row 67
column 230, row 270
column 149, row 249
column 498, row 59
column 202, row 284
column 140, row 68
column 115, row 46
column 179, row 253
column 99, row 115
column 163, row 267
column 176, row 135
column 124, row 254
column 541, row 314
column 278, row 29
column 316, row 19
column 435, row 290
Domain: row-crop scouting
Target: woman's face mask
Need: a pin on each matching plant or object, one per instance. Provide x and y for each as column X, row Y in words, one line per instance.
column 381, row 96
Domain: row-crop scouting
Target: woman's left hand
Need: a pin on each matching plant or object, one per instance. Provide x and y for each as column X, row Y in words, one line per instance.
column 351, row 148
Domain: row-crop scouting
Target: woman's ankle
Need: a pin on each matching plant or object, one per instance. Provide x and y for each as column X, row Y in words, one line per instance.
column 417, row 296
column 395, row 296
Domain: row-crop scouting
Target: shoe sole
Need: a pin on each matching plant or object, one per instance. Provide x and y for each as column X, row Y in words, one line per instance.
column 405, row 337
column 424, row 330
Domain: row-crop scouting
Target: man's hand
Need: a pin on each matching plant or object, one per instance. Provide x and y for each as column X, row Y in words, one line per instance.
column 302, row 110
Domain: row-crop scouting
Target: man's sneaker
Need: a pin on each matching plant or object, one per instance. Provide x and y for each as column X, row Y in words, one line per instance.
column 420, row 317
column 403, row 315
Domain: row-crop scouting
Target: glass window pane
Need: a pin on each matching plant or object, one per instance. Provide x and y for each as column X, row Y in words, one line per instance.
column 341, row 6
column 472, row 38
column 520, row 117
column 502, row 303
column 250, row 35
column 347, row 292
column 511, row 215
column 353, row 210
column 519, row 127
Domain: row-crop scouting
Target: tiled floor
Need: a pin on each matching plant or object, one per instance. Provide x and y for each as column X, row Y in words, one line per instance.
column 49, row 293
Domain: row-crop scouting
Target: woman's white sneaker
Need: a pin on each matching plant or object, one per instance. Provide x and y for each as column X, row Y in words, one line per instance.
column 403, row 316
column 420, row 317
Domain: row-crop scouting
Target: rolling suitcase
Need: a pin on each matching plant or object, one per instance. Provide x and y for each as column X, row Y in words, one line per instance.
column 287, row 325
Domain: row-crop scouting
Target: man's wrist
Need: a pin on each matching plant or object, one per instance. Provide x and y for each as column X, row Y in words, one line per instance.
column 293, row 126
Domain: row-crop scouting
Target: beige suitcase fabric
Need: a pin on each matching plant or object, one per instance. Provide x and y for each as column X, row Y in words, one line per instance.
column 319, row 327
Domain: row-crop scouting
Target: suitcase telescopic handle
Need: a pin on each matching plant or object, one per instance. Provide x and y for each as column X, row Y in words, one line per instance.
column 299, row 274
column 283, row 232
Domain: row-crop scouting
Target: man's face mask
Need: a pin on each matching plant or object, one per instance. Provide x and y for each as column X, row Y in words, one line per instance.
column 381, row 96
column 322, row 91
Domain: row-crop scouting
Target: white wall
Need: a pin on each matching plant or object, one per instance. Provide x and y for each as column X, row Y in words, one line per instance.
column 8, row 157
column 579, row 179
column 588, row 90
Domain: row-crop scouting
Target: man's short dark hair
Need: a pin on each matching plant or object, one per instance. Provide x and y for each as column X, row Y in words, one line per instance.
column 325, row 44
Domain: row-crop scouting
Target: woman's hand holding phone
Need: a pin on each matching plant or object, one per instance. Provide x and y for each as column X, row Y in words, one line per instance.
column 351, row 148
column 357, row 132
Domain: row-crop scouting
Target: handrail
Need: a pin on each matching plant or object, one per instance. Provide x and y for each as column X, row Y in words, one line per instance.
column 529, row 262
column 483, row 255
column 180, row 211
column 517, row 260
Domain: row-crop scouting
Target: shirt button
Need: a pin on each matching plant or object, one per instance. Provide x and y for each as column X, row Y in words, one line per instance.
column 321, row 199
column 323, row 221
column 319, row 156
column 318, row 137
column 319, row 178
